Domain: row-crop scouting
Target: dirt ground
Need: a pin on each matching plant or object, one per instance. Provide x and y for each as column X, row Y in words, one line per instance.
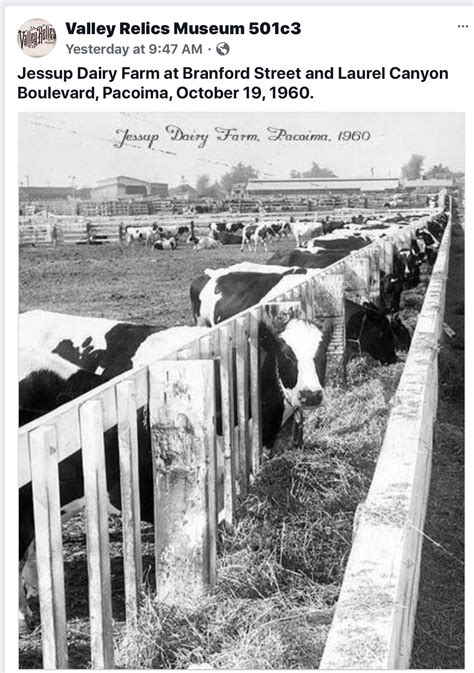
column 439, row 632
column 121, row 283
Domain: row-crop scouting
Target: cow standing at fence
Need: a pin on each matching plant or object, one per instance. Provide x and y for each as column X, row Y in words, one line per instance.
column 292, row 374
column 221, row 293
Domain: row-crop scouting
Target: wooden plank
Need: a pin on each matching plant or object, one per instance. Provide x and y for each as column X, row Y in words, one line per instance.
column 66, row 419
column 182, row 427
column 98, row 560
column 49, row 550
column 130, row 495
column 226, row 347
column 328, row 304
column 374, row 620
column 209, row 350
column 242, row 364
column 357, row 278
column 255, row 400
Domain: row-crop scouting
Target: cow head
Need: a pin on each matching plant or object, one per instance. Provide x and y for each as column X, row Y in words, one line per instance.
column 371, row 331
column 298, row 355
column 401, row 333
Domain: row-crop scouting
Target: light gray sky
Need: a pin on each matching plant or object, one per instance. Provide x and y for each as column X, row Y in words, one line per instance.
column 54, row 148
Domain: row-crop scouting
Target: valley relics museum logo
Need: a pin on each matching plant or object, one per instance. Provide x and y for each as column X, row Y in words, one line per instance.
column 36, row 37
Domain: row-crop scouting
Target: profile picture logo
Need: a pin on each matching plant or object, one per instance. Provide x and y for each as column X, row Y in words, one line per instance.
column 36, row 37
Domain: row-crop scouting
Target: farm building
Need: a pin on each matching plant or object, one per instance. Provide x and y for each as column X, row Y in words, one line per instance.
column 302, row 187
column 123, row 187
column 27, row 194
column 428, row 186
column 319, row 186
column 184, row 192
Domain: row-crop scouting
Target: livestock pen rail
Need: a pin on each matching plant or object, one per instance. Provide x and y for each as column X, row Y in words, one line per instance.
column 195, row 470
column 74, row 230
column 374, row 620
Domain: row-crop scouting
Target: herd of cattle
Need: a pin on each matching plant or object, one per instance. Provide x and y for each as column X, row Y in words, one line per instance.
column 63, row 356
column 309, row 233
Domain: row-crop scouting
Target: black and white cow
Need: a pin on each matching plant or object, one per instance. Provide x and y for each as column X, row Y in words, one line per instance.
column 165, row 244
column 219, row 294
column 428, row 245
column 258, row 233
column 222, row 293
column 315, row 258
column 292, row 375
column 229, row 227
column 280, row 228
column 369, row 331
column 406, row 267
column 207, row 242
column 141, row 234
column 47, row 381
column 175, row 231
column 303, row 228
column 63, row 356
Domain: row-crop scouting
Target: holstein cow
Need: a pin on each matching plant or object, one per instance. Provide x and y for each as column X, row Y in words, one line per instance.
column 62, row 357
column 47, row 381
column 298, row 353
column 141, row 234
column 305, row 228
column 219, row 294
column 377, row 320
column 165, row 244
column 279, row 228
column 173, row 231
column 207, row 243
column 406, row 268
column 258, row 233
column 229, row 227
column 222, row 293
column 292, row 375
column 428, row 245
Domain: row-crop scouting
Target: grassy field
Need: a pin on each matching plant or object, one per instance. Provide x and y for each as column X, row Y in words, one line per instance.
column 280, row 570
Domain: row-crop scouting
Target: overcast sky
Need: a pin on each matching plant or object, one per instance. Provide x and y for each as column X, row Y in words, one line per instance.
column 84, row 147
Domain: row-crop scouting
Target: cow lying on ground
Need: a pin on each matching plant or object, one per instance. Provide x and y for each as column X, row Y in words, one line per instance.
column 229, row 227
column 207, row 243
column 165, row 244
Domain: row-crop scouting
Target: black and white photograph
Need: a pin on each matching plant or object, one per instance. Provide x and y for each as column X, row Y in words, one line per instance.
column 241, row 390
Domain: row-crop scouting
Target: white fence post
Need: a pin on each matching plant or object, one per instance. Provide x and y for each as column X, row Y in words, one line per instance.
column 49, row 550
column 98, row 559
column 182, row 421
column 130, row 494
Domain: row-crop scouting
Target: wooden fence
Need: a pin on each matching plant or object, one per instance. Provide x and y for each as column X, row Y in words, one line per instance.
column 39, row 230
column 374, row 620
column 178, row 399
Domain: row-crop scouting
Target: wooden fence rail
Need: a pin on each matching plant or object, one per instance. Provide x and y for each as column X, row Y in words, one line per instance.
column 374, row 620
column 200, row 405
column 76, row 230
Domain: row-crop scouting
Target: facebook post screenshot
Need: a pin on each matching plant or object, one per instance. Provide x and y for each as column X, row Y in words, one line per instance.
column 234, row 244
